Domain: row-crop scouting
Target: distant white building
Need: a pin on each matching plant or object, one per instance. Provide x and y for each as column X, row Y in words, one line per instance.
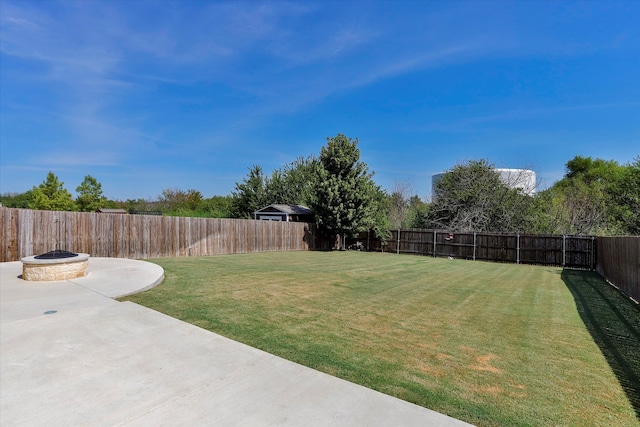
column 524, row 179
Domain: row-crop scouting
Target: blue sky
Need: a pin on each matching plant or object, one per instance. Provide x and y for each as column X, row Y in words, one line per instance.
column 146, row 95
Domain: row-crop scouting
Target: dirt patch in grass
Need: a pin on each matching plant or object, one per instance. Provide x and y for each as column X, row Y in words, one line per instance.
column 484, row 364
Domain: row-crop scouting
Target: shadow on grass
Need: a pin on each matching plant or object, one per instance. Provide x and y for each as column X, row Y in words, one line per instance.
column 614, row 323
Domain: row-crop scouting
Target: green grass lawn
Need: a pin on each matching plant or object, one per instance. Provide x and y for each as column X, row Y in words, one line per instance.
column 488, row 343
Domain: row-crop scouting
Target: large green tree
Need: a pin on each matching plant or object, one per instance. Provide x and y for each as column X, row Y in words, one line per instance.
column 180, row 202
column 250, row 194
column 346, row 199
column 51, row 195
column 90, row 197
column 624, row 191
column 217, row 206
column 293, row 184
column 399, row 204
column 418, row 213
column 472, row 197
column 595, row 196
column 571, row 207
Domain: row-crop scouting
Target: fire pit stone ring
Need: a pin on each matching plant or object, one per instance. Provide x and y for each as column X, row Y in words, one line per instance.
column 37, row 268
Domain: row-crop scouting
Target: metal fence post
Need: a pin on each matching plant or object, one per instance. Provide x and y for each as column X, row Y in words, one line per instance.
column 564, row 250
column 474, row 245
column 518, row 248
column 434, row 242
column 398, row 245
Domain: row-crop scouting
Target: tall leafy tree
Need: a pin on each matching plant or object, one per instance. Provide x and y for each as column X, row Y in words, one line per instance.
column 180, row 201
column 250, row 195
column 399, row 203
column 293, row 184
column 591, row 170
column 378, row 216
column 346, row 198
column 217, row 206
column 297, row 182
column 51, row 195
column 625, row 199
column 418, row 213
column 90, row 197
column 595, row 196
column 472, row 197
column 573, row 207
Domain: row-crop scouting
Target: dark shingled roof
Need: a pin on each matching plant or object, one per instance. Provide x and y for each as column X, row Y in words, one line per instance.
column 287, row 209
column 117, row 211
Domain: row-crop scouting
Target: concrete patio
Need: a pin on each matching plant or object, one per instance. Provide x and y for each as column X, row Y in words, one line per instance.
column 72, row 355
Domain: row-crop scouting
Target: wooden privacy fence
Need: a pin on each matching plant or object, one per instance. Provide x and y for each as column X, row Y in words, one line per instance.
column 565, row 251
column 30, row 232
column 619, row 263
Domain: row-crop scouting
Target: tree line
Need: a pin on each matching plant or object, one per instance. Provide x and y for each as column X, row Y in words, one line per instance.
column 51, row 194
column 337, row 186
column 595, row 197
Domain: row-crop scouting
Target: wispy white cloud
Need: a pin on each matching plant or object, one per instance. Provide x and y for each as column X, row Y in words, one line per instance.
column 430, row 59
column 19, row 22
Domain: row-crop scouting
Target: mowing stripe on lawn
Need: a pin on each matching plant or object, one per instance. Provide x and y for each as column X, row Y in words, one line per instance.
column 488, row 343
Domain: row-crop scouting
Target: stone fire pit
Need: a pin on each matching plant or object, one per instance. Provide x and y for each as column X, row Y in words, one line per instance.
column 55, row 265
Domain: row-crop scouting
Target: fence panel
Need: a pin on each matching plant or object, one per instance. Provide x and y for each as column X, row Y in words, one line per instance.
column 9, row 218
column 454, row 245
column 619, row 262
column 578, row 252
column 541, row 249
column 26, row 232
column 568, row 251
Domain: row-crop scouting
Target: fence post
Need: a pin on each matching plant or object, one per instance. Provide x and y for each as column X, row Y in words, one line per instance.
column 592, row 252
column 564, row 250
column 56, row 221
column 518, row 248
column 398, row 244
column 434, row 243
column 474, row 245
